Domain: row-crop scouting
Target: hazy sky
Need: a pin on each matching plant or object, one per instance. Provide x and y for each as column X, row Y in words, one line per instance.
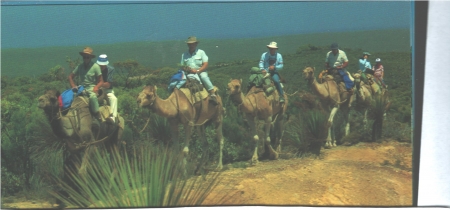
column 41, row 25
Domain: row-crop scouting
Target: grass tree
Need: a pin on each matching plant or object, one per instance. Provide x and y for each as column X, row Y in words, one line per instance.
column 149, row 177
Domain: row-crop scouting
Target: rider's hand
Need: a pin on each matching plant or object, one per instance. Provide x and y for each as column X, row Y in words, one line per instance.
column 96, row 90
column 193, row 71
column 271, row 68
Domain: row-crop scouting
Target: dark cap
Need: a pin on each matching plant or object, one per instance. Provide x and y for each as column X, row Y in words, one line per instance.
column 334, row 46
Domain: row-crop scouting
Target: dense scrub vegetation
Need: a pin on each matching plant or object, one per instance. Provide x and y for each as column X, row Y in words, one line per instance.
column 31, row 153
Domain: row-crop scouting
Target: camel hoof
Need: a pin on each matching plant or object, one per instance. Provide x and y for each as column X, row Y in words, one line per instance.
column 274, row 156
column 254, row 162
column 218, row 168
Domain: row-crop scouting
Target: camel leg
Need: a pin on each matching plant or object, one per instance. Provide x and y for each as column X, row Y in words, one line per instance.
column 365, row 119
column 279, row 131
column 175, row 131
column 219, row 137
column 188, row 132
column 328, row 142
column 205, row 153
column 252, row 123
column 272, row 154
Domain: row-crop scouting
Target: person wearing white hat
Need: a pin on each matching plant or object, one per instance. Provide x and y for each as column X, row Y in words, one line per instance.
column 90, row 76
column 107, row 85
column 378, row 72
column 272, row 62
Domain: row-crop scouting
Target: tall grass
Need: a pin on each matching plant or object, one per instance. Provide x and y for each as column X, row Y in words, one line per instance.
column 149, row 177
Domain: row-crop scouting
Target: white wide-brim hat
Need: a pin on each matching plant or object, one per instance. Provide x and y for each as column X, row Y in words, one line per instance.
column 102, row 60
column 272, row 45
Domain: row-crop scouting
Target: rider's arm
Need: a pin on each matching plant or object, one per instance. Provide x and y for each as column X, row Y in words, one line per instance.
column 72, row 83
column 279, row 63
column 72, row 76
column 99, row 83
column 204, row 62
column 109, row 80
column 345, row 64
column 327, row 66
column 262, row 62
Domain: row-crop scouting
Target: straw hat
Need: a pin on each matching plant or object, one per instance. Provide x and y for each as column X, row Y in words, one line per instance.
column 87, row 51
column 192, row 39
column 272, row 45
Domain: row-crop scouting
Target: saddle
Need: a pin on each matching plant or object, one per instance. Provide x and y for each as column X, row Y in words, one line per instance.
column 197, row 96
column 193, row 85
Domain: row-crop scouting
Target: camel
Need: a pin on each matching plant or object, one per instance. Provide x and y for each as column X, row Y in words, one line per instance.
column 256, row 106
column 179, row 110
column 77, row 130
column 77, row 127
column 334, row 97
column 368, row 93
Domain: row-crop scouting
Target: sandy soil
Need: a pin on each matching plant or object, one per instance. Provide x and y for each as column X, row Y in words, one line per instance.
column 366, row 174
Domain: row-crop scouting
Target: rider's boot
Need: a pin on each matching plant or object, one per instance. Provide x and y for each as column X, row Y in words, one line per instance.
column 213, row 97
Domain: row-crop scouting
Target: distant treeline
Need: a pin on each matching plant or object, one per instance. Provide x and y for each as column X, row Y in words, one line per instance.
column 36, row 61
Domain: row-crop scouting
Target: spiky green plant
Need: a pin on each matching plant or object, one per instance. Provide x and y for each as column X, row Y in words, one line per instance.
column 150, row 177
column 316, row 122
column 160, row 128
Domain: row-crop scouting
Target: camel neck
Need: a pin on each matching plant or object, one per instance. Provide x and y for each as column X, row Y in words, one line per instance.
column 237, row 99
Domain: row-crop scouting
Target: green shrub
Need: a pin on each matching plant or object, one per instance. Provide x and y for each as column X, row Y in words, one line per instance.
column 148, row 177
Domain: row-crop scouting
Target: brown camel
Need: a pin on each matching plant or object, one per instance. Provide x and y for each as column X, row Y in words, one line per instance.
column 77, row 127
column 256, row 106
column 368, row 93
column 179, row 110
column 333, row 96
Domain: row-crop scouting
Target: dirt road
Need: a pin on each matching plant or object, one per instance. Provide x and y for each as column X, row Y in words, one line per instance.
column 367, row 174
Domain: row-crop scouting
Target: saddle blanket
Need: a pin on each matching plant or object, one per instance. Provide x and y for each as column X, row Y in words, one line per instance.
column 198, row 96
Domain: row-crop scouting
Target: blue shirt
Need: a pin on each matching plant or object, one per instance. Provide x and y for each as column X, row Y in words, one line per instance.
column 364, row 64
column 267, row 59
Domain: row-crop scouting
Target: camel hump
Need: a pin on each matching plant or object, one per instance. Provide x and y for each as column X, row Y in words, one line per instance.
column 328, row 77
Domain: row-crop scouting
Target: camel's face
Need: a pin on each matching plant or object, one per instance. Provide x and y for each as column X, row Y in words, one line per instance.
column 234, row 87
column 308, row 73
column 49, row 99
column 147, row 96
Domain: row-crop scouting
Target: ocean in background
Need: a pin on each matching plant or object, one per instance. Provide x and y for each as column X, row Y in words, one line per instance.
column 91, row 23
column 35, row 38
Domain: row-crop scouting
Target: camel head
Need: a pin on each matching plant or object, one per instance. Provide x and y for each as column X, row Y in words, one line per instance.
column 49, row 100
column 308, row 73
column 234, row 87
column 356, row 75
column 147, row 96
